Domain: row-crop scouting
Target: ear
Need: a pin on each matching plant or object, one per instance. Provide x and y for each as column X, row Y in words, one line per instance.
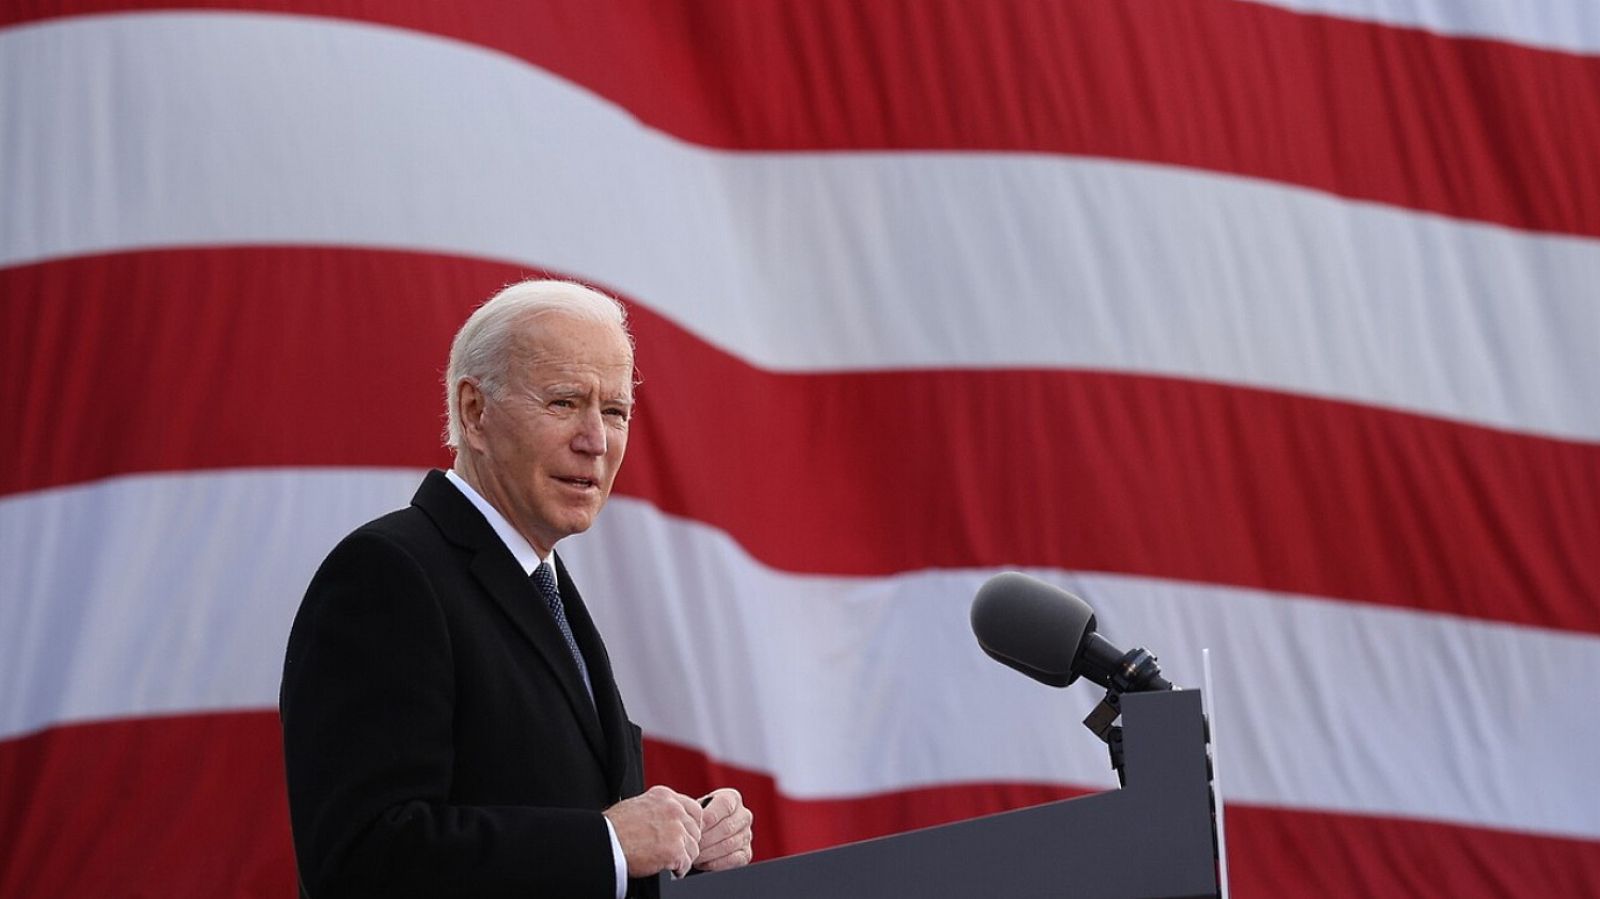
column 470, row 405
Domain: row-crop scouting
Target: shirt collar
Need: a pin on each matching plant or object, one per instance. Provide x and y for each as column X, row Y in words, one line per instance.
column 524, row 552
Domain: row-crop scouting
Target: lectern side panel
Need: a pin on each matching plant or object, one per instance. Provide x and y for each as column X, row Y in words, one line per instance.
column 1165, row 760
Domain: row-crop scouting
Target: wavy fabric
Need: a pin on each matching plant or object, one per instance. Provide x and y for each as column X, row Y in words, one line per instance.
column 1267, row 328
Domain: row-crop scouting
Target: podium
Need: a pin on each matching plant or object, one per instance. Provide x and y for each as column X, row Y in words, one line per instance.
column 1155, row 836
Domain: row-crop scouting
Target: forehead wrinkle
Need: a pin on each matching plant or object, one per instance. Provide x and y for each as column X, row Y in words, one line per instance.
column 533, row 340
column 559, row 369
column 562, row 385
column 537, row 355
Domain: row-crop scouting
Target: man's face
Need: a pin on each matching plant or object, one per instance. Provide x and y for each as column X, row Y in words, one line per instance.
column 549, row 447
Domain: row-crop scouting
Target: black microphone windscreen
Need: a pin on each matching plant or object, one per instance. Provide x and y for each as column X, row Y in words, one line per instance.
column 1034, row 627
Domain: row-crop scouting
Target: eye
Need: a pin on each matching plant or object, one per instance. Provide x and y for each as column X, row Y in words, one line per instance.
column 617, row 413
column 563, row 404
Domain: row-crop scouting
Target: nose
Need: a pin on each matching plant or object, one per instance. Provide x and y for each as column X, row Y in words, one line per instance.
column 590, row 438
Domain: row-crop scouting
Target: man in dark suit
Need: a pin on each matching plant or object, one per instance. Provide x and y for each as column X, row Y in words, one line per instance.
column 451, row 723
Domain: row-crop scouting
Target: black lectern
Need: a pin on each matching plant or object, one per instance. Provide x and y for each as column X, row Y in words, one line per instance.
column 1153, row 837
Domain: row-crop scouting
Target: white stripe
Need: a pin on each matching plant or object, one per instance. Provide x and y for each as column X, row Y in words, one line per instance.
column 165, row 593
column 847, row 686
column 214, row 129
column 836, row 686
column 1572, row 25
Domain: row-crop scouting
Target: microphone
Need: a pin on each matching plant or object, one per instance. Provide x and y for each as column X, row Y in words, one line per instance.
column 1048, row 634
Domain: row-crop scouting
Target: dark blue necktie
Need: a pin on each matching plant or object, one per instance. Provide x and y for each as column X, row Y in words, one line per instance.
column 544, row 580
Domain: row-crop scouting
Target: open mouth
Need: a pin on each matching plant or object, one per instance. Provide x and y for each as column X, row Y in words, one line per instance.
column 580, row 483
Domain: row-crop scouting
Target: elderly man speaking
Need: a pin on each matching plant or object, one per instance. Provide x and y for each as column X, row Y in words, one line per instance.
column 451, row 725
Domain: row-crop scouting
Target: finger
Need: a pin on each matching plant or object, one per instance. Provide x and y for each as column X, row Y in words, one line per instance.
column 726, row 830
column 685, row 816
column 686, row 860
column 691, row 827
column 713, row 853
column 719, row 804
column 734, row 824
column 732, row 843
column 691, row 807
column 731, row 860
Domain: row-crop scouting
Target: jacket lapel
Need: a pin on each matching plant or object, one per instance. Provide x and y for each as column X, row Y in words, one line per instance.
column 607, row 699
column 497, row 571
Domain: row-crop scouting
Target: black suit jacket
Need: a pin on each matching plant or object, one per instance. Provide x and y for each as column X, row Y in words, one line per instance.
column 438, row 739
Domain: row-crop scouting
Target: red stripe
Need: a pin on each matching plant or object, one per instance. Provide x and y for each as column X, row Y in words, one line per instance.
column 1464, row 127
column 1277, row 852
column 330, row 357
column 194, row 806
column 184, row 806
column 182, row 359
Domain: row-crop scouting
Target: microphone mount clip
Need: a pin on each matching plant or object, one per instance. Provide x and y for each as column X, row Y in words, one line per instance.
column 1136, row 671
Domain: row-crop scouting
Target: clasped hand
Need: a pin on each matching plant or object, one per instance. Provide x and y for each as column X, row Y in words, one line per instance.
column 664, row 830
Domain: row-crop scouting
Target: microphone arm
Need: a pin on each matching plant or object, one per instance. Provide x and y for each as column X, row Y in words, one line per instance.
column 1134, row 671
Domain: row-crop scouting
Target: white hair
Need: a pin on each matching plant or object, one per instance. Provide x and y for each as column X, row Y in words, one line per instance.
column 483, row 349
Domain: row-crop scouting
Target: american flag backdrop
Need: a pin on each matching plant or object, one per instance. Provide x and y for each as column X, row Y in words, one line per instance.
column 1268, row 328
